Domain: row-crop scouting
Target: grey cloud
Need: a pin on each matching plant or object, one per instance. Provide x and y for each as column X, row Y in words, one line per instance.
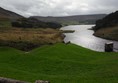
column 59, row 7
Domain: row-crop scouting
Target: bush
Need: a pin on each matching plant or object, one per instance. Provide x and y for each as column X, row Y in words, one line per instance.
column 25, row 46
column 34, row 23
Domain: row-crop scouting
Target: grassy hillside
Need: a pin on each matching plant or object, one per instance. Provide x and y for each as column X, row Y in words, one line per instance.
column 107, row 27
column 12, row 19
column 59, row 63
column 6, row 17
column 27, row 33
column 8, row 14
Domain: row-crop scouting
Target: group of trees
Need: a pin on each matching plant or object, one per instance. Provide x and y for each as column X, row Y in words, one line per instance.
column 34, row 23
column 109, row 21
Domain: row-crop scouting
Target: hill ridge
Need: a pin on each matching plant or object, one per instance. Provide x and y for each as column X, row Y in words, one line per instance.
column 4, row 13
column 76, row 19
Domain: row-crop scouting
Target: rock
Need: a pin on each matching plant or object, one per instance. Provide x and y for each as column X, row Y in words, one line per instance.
column 7, row 80
column 68, row 42
column 41, row 81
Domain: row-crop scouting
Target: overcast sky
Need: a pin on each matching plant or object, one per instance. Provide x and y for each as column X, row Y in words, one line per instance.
column 59, row 7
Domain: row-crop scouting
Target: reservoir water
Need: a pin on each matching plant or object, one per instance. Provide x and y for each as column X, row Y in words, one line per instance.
column 85, row 38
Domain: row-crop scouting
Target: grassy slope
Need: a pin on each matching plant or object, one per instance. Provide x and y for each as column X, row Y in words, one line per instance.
column 5, row 22
column 29, row 38
column 32, row 35
column 60, row 64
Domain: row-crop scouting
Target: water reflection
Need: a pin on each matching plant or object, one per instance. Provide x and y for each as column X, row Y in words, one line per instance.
column 84, row 37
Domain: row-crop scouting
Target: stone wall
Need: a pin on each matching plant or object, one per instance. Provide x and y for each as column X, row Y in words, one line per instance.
column 7, row 80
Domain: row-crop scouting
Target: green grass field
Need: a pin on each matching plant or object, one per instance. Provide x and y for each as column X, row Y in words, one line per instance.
column 5, row 23
column 59, row 63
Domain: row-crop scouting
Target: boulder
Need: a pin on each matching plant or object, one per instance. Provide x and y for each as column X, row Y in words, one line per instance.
column 41, row 81
column 7, row 80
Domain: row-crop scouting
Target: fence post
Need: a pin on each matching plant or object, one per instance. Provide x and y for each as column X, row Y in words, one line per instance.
column 109, row 47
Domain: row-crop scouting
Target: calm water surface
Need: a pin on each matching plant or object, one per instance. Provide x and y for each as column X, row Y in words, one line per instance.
column 85, row 38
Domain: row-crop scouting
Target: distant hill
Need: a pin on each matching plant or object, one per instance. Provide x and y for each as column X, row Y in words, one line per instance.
column 6, row 17
column 11, row 19
column 6, row 14
column 68, row 20
column 108, row 21
column 107, row 27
